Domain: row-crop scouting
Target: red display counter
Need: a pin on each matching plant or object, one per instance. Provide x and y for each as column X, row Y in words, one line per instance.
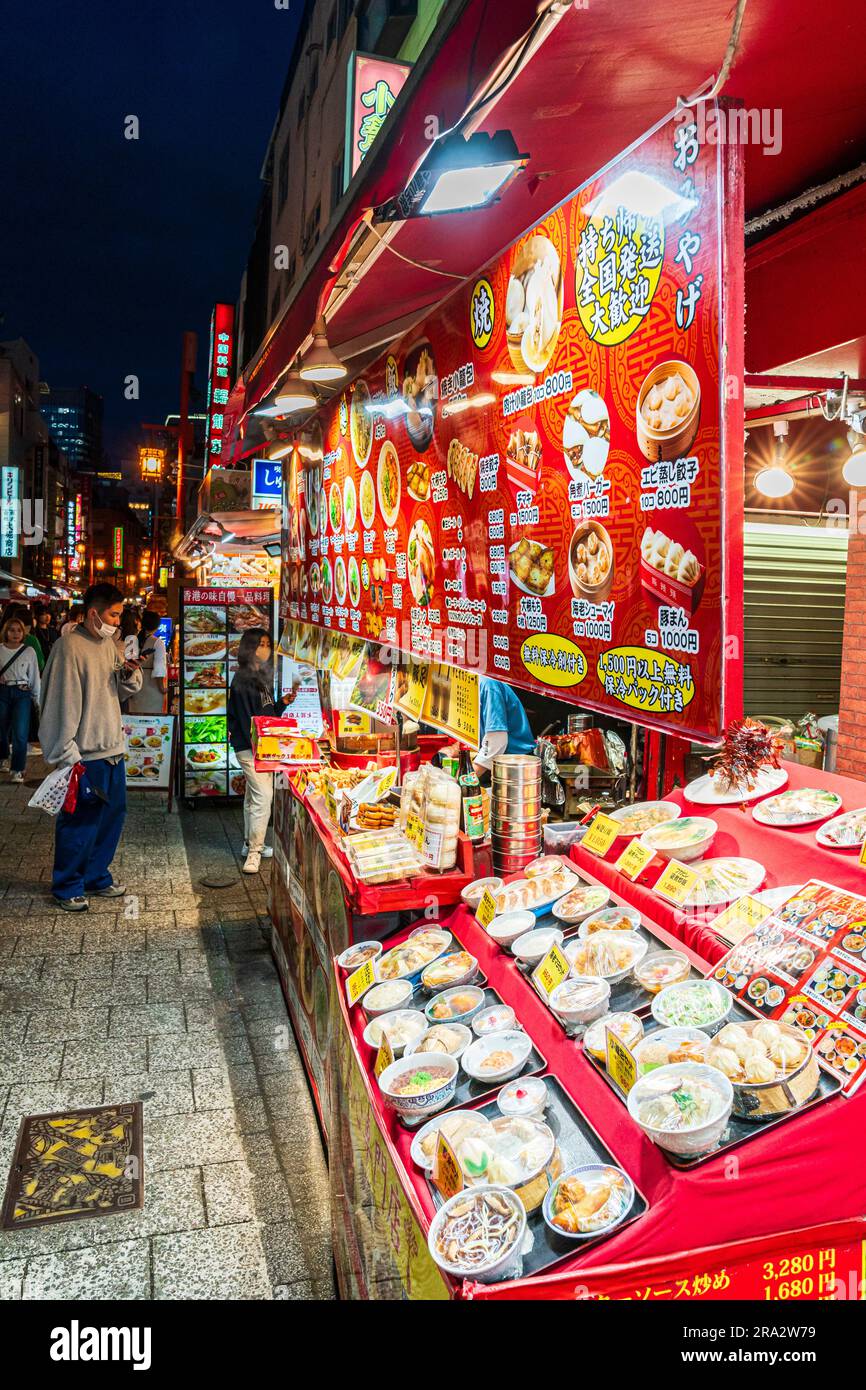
column 318, row 908
column 743, row 1225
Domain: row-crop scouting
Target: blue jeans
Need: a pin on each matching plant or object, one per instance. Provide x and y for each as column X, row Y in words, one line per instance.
column 14, row 724
column 85, row 841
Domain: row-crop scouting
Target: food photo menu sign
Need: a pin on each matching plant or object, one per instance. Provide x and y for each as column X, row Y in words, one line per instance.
column 213, row 621
column 542, row 481
column 806, row 965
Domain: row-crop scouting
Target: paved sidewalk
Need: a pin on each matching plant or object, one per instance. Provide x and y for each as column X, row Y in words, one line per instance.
column 171, row 997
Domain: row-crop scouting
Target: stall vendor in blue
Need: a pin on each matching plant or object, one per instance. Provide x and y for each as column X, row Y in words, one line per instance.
column 504, row 727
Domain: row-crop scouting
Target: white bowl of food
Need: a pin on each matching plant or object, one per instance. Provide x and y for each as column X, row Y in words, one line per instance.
column 689, row 837
column 683, row 1107
column 506, row 929
column 612, row 955
column 456, row 1125
column 458, row 1005
column 387, row 996
column 420, row 1084
column 666, row 1046
column 453, row 1038
column 580, row 1000
column 588, row 1200
column 456, row 969
column 474, row 892
column 610, row 919
column 534, row 945
column 585, row 900
column 524, row 1098
column 496, row 1018
column 662, row 968
column 358, row 954
column 478, row 1234
column 401, row 1026
column 496, row 1057
column 703, row 1004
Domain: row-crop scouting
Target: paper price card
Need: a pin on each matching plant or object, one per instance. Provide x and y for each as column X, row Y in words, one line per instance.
column 552, row 971
column 384, row 1057
column 415, row 832
column 601, row 834
column 486, row 909
column 634, row 860
column 621, row 1065
column 330, row 798
column 447, row 1175
column 740, row 918
column 676, row 882
column 360, row 981
column 863, row 855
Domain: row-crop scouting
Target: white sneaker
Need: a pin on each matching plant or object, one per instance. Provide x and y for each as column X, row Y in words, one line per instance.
column 266, row 851
column 17, row 777
column 252, row 862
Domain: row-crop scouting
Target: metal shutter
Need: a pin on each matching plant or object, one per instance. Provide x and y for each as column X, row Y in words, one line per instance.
column 794, row 590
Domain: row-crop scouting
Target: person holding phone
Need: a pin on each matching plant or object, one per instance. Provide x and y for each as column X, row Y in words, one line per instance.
column 19, row 688
column 85, row 679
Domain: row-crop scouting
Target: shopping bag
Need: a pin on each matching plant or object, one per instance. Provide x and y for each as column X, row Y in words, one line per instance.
column 50, row 796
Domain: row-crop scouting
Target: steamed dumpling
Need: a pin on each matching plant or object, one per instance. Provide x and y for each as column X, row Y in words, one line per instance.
column 759, row 1068
column 786, row 1052
column 647, row 542
column 725, row 1059
column 658, row 554
column 752, row 1047
column 767, row 1032
column 689, row 569
column 672, row 559
column 731, row 1033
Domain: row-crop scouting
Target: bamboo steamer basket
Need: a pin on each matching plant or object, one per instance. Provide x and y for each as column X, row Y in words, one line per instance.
column 668, row 444
column 594, row 592
column 766, row 1099
column 535, row 249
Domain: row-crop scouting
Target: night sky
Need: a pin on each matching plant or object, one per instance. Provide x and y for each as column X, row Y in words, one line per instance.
column 112, row 247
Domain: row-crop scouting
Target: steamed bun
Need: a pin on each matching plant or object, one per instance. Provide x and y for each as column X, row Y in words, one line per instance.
column 759, row 1068
column 725, row 1059
column 786, row 1052
column 732, row 1034
column 766, row 1032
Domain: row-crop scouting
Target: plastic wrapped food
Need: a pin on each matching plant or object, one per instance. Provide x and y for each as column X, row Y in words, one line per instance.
column 691, row 1004
column 605, row 953
column 679, row 1102
column 449, row 970
column 590, row 1200
column 627, row 1027
column 662, row 968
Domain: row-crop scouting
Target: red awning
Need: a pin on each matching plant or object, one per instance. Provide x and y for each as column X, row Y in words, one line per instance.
column 604, row 75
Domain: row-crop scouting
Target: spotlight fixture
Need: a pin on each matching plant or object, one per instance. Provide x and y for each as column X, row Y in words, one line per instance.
column 776, row 479
column 279, row 450
column 457, row 176
column 321, row 364
column 854, row 468
column 295, row 395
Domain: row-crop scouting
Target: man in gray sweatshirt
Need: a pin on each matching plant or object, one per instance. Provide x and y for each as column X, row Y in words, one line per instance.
column 85, row 679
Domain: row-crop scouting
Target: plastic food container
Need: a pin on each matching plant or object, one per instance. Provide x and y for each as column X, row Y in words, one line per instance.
column 614, row 1211
column 407, row 1020
column 608, row 920
column 506, row 929
column 474, row 892
column 685, row 839
column 662, row 1042
column 506, row 1261
column 427, row 1102
column 580, row 999
column 632, row 947
column 496, row 1047
column 532, row 946
column 686, row 1142
column 525, row 1098
column 356, row 955
column 386, row 997
column 427, row 1044
column 627, row 1027
column 440, row 973
column 469, row 995
column 559, row 838
column 499, row 1018
column 690, row 1005
column 662, row 968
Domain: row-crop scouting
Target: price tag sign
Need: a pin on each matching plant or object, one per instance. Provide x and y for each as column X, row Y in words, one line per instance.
column 447, row 1175
column 741, row 918
column 552, row 970
column 621, row 1065
column 486, row 909
column 330, row 798
column 415, row 832
column 601, row 834
column 862, row 860
column 360, row 981
column 384, row 1057
column 676, row 882
column 634, row 860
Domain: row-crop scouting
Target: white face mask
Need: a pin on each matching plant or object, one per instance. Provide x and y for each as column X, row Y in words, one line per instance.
column 105, row 631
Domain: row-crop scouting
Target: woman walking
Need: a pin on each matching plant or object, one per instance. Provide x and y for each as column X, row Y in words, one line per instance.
column 154, row 667
column 19, row 689
column 252, row 693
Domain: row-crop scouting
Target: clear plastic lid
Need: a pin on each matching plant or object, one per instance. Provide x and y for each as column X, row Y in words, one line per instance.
column 525, row 1096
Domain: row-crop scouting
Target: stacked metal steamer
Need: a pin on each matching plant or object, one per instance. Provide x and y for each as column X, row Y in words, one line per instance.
column 515, row 814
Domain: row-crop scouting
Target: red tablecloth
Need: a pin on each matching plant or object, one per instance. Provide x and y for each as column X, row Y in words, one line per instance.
column 789, row 856
column 799, row 1174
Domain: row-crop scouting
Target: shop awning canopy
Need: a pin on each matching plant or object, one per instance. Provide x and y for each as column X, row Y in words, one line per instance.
column 602, row 76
